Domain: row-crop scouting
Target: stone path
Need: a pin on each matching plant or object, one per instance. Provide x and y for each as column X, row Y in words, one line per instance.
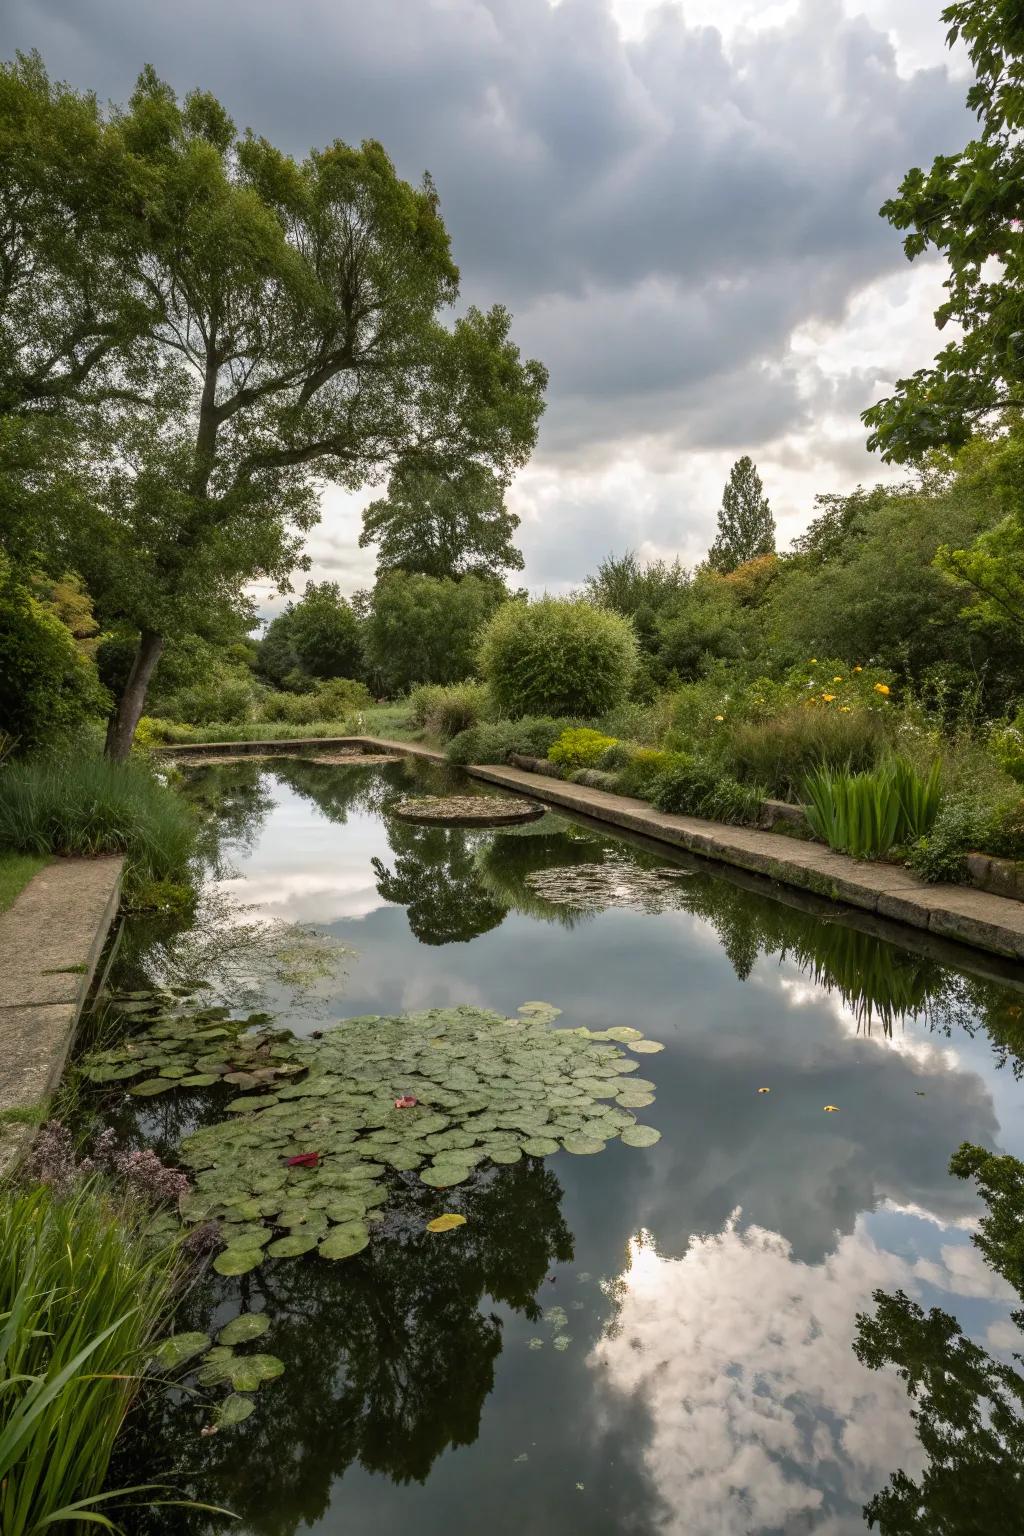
column 50, row 941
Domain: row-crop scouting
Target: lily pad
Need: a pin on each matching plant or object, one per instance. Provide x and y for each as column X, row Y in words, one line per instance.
column 541, row 1146
column 582, row 1146
column 151, row 1087
column 444, row 1175
column 235, row 1409
column 342, row 1242
column 237, row 1261
column 171, row 1353
column 249, row 1325
column 646, row 1047
column 292, row 1246
column 640, row 1136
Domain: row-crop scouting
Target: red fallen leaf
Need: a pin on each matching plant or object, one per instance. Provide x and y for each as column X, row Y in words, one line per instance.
column 406, row 1101
column 304, row 1160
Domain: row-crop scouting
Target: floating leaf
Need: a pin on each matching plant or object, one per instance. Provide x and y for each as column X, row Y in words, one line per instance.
column 541, row 1146
column 624, row 1032
column 151, row 1087
column 831, row 1109
column 292, row 1246
column 535, row 1343
column 563, row 1341
column 764, row 1090
column 342, row 1242
column 172, row 1352
column 446, row 1223
column 444, row 1175
column 200, row 1080
column 646, row 1047
column 407, row 1101
column 237, row 1261
column 249, row 1325
column 304, row 1160
column 640, row 1135
column 233, row 1410
column 582, row 1146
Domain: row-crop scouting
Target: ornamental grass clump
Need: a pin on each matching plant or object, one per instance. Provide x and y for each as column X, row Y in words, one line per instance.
column 88, row 806
column 868, row 814
column 781, row 752
column 82, row 1297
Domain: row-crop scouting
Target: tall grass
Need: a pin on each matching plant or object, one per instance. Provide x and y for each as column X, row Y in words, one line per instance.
column 88, row 806
column 780, row 753
column 867, row 814
column 81, row 1298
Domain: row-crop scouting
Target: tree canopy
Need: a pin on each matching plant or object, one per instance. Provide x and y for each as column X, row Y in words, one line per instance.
column 286, row 329
column 746, row 527
column 967, row 207
column 445, row 524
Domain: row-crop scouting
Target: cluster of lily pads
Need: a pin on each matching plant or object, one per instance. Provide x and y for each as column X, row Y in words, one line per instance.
column 617, row 882
column 300, row 1159
column 221, row 1365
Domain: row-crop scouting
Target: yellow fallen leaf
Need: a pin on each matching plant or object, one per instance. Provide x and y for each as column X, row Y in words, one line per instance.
column 831, row 1109
column 764, row 1090
column 446, row 1223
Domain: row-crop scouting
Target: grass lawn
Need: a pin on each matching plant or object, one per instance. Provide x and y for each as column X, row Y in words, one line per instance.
column 16, row 870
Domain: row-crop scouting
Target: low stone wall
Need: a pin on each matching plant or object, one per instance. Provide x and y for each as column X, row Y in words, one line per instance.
column 51, row 939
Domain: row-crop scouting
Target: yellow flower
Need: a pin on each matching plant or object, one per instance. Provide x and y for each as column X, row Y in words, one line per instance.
column 844, row 709
column 813, row 661
column 881, row 688
column 858, row 669
column 829, row 698
column 719, row 717
column 837, row 679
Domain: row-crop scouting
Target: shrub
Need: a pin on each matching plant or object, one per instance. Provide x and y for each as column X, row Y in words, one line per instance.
column 341, row 696
column 445, row 712
column 88, row 805
column 866, row 814
column 495, row 742
column 965, row 825
column 295, row 708
column 557, row 656
column 780, row 753
column 153, row 732
column 579, row 747
column 222, row 698
column 82, row 1295
column 689, row 786
column 47, row 687
column 643, row 765
column 1008, row 746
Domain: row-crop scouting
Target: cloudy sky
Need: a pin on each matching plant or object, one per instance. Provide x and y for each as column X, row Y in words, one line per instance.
column 678, row 201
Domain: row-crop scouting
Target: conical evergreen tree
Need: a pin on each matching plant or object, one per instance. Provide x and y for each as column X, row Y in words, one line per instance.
column 746, row 527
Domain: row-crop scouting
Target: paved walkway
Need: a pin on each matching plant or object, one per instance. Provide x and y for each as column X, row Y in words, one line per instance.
column 50, row 941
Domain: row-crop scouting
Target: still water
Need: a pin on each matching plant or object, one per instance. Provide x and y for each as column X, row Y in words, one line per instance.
column 711, row 1284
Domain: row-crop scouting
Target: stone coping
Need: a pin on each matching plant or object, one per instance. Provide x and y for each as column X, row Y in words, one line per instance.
column 976, row 918
column 269, row 748
column 51, row 939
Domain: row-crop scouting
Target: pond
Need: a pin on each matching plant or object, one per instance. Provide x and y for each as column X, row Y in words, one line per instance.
column 651, row 1339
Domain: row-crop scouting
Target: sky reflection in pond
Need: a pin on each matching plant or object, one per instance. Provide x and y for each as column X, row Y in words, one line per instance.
column 711, row 1282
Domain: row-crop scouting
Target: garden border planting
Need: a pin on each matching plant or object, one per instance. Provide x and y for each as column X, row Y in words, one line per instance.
column 51, row 938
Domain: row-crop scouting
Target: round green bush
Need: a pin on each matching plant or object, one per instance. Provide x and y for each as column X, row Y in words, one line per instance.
column 580, row 747
column 557, row 656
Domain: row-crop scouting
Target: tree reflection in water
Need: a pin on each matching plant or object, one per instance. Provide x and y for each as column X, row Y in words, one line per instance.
column 435, row 878
column 968, row 1406
column 389, row 1357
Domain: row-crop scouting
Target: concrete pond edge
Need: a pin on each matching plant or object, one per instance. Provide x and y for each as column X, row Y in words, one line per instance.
column 51, row 940
column 977, row 918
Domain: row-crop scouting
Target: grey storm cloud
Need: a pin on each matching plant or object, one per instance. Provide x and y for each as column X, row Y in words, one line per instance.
column 659, row 213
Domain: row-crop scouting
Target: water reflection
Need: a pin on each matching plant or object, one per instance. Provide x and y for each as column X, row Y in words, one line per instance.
column 968, row 1476
column 390, row 1357
column 435, row 878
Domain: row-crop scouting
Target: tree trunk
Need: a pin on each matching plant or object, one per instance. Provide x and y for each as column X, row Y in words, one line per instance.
column 122, row 723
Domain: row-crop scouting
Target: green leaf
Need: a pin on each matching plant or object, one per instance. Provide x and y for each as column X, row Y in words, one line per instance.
column 238, row 1261
column 249, row 1325
column 344, row 1241
column 172, row 1352
column 640, row 1136
column 292, row 1246
column 233, row 1410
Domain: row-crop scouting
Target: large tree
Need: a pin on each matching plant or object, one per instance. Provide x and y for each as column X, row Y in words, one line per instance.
column 324, row 633
column 294, row 335
column 968, row 207
column 445, row 522
column 746, row 527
